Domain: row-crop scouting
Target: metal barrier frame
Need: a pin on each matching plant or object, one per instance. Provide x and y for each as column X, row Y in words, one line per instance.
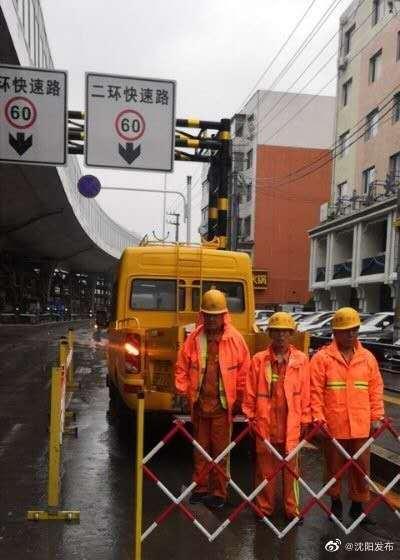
column 247, row 500
column 61, row 381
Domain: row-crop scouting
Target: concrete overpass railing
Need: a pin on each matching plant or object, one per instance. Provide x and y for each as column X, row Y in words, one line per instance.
column 28, row 33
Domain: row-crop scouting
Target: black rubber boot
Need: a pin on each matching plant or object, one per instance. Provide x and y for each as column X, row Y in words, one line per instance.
column 337, row 508
column 197, row 497
column 355, row 510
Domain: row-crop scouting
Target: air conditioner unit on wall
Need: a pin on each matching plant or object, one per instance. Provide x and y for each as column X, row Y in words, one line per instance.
column 323, row 212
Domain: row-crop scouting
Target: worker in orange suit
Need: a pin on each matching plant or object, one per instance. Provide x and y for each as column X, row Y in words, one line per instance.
column 211, row 370
column 347, row 395
column 277, row 403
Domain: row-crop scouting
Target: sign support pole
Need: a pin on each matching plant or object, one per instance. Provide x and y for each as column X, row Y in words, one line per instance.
column 188, row 208
column 139, row 476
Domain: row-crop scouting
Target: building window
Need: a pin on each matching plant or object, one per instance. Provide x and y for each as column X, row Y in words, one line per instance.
column 372, row 124
column 341, row 191
column 238, row 161
column 375, row 65
column 377, row 11
column 398, row 46
column 368, row 178
column 394, row 167
column 348, row 39
column 396, row 107
column 346, row 88
column 248, row 191
column 239, row 124
column 240, row 227
column 249, row 161
column 344, row 144
column 247, row 227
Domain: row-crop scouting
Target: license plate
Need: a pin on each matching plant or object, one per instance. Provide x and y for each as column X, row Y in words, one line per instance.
column 162, row 376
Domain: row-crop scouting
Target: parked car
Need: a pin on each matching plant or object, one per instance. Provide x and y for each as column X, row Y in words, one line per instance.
column 302, row 315
column 262, row 315
column 373, row 326
column 314, row 320
column 326, row 329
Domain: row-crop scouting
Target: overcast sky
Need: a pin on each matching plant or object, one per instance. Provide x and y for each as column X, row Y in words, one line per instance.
column 216, row 50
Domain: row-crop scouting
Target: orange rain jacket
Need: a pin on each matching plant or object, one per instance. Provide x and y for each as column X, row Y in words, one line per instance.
column 234, row 363
column 348, row 397
column 257, row 402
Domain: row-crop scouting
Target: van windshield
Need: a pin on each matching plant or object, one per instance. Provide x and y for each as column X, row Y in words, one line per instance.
column 149, row 294
column 233, row 291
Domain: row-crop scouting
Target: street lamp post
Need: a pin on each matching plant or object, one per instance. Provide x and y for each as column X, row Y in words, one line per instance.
column 89, row 186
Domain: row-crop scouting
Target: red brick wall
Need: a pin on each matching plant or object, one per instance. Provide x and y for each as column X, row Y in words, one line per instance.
column 285, row 211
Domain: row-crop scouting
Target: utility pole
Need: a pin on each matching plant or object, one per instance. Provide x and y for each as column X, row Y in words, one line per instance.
column 176, row 223
column 224, row 190
column 396, row 326
column 188, row 208
column 164, row 206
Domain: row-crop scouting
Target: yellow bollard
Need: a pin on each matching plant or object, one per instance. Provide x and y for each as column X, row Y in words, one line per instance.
column 63, row 351
column 70, row 375
column 53, row 490
column 139, row 476
column 55, row 441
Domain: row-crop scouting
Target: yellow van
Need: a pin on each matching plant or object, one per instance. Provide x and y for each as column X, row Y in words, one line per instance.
column 156, row 300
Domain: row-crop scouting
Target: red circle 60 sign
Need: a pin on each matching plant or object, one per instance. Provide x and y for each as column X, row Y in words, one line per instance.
column 130, row 125
column 20, row 112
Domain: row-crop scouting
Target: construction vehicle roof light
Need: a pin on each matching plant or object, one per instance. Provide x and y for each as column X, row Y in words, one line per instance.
column 131, row 349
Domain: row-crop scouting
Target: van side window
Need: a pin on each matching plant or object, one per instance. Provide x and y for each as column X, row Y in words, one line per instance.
column 149, row 294
column 233, row 291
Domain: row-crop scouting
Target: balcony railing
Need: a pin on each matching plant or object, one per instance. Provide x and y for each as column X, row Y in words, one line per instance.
column 373, row 265
column 342, row 270
column 378, row 191
column 320, row 274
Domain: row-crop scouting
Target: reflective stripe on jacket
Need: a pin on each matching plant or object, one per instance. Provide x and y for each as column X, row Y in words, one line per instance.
column 234, row 363
column 203, row 365
column 257, row 402
column 348, row 397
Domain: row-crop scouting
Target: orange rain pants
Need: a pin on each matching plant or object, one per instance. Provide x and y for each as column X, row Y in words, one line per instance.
column 266, row 465
column 358, row 486
column 213, row 433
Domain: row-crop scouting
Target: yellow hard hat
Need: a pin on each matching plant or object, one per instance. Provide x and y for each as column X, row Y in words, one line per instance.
column 345, row 318
column 282, row 320
column 214, row 302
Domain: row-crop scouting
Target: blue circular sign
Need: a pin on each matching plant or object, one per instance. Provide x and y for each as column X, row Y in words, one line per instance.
column 89, row 186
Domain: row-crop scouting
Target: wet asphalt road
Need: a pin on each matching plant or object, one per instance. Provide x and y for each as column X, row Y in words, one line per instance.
column 97, row 476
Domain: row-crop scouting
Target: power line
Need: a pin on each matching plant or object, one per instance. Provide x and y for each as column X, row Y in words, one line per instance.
column 324, row 87
column 306, row 41
column 277, row 54
column 305, row 86
column 335, row 145
column 307, row 166
column 332, row 157
column 312, row 99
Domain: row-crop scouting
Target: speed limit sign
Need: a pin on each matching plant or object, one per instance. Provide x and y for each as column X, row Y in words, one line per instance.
column 130, row 125
column 129, row 122
column 20, row 112
column 33, row 115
